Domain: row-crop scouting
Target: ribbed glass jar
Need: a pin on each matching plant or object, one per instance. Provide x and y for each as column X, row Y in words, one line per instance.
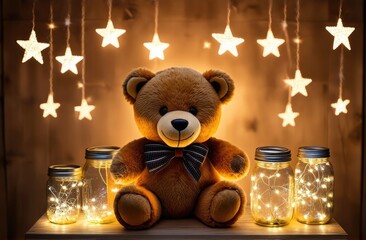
column 99, row 189
column 314, row 184
column 272, row 187
column 63, row 193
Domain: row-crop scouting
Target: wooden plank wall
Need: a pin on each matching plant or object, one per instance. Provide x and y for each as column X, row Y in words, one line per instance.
column 249, row 121
column 3, row 205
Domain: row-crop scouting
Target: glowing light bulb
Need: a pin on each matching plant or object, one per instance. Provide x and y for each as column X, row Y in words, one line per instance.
column 298, row 84
column 288, row 116
column 84, row 110
column 69, row 61
column 227, row 41
column 50, row 107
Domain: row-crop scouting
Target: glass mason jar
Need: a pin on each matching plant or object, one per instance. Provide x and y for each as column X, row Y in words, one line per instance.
column 63, row 193
column 314, row 183
column 99, row 188
column 272, row 187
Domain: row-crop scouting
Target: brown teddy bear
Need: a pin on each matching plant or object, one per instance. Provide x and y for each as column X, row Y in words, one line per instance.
column 176, row 170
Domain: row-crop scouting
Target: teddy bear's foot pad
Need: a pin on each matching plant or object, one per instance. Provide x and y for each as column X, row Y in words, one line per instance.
column 221, row 204
column 136, row 208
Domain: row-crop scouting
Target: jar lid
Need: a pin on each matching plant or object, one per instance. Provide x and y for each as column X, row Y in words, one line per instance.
column 64, row 170
column 272, row 154
column 101, row 152
column 313, row 152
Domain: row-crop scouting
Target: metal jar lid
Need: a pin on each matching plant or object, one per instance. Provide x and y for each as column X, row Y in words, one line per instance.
column 272, row 154
column 313, row 152
column 64, row 171
column 101, row 152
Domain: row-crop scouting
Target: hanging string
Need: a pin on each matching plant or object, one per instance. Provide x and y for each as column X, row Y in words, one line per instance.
column 156, row 15
column 287, row 38
column 109, row 9
column 83, row 48
column 51, row 48
column 341, row 76
column 33, row 14
column 228, row 12
column 68, row 22
column 340, row 8
column 270, row 14
column 298, row 34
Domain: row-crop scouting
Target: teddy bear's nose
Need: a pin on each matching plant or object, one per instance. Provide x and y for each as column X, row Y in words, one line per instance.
column 179, row 124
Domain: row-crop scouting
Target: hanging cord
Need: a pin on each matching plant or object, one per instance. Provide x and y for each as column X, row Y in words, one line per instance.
column 33, row 15
column 109, row 9
column 270, row 15
column 340, row 8
column 83, row 48
column 156, row 16
column 228, row 12
column 298, row 34
column 51, row 48
column 341, row 76
column 68, row 22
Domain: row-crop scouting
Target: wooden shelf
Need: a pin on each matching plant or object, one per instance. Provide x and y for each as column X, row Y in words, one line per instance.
column 245, row 228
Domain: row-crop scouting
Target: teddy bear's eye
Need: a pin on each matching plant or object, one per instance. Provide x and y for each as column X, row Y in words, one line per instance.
column 193, row 110
column 163, row 110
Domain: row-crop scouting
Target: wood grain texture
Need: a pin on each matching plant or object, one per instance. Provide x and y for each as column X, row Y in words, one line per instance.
column 250, row 120
column 245, row 228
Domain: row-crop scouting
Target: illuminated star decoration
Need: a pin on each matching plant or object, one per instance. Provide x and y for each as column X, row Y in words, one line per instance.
column 110, row 34
column 49, row 108
column 340, row 34
column 298, row 84
column 84, row 110
column 227, row 41
column 69, row 61
column 288, row 116
column 32, row 48
column 340, row 106
column 270, row 44
column 156, row 47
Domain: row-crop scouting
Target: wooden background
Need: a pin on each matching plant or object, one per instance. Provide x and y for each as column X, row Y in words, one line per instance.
column 31, row 143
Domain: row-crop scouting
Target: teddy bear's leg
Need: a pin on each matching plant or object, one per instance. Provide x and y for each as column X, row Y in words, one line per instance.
column 220, row 204
column 136, row 207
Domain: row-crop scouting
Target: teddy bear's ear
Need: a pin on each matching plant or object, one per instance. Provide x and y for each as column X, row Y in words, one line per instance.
column 222, row 83
column 134, row 82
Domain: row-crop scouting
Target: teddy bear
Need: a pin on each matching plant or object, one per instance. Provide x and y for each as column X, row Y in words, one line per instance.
column 178, row 169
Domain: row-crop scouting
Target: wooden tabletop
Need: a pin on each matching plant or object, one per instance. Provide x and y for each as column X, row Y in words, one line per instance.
column 245, row 228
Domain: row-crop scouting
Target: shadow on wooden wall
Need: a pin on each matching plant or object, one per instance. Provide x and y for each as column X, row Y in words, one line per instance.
column 250, row 120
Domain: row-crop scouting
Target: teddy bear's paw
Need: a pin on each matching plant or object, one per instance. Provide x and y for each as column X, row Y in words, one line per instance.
column 238, row 164
column 225, row 205
column 136, row 208
column 221, row 204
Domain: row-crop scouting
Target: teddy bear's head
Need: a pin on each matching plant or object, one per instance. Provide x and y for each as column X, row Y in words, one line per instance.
column 177, row 106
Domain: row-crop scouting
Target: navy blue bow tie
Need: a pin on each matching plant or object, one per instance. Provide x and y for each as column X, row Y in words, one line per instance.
column 158, row 155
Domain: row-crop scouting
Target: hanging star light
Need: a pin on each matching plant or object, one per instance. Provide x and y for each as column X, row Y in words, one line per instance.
column 270, row 44
column 288, row 116
column 32, row 48
column 340, row 106
column 84, row 110
column 50, row 107
column 227, row 41
column 156, row 47
column 340, row 34
column 110, row 34
column 298, row 84
column 69, row 61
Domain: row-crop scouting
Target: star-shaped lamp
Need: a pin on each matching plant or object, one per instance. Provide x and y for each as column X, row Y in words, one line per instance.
column 69, row 61
column 84, row 110
column 49, row 108
column 110, row 34
column 340, row 34
column 298, row 84
column 270, row 44
column 288, row 116
column 156, row 47
column 32, row 48
column 340, row 106
column 227, row 41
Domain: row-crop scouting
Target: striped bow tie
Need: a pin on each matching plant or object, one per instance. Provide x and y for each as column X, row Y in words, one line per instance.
column 157, row 156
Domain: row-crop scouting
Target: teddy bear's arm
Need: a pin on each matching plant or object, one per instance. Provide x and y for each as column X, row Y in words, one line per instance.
column 128, row 163
column 228, row 160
